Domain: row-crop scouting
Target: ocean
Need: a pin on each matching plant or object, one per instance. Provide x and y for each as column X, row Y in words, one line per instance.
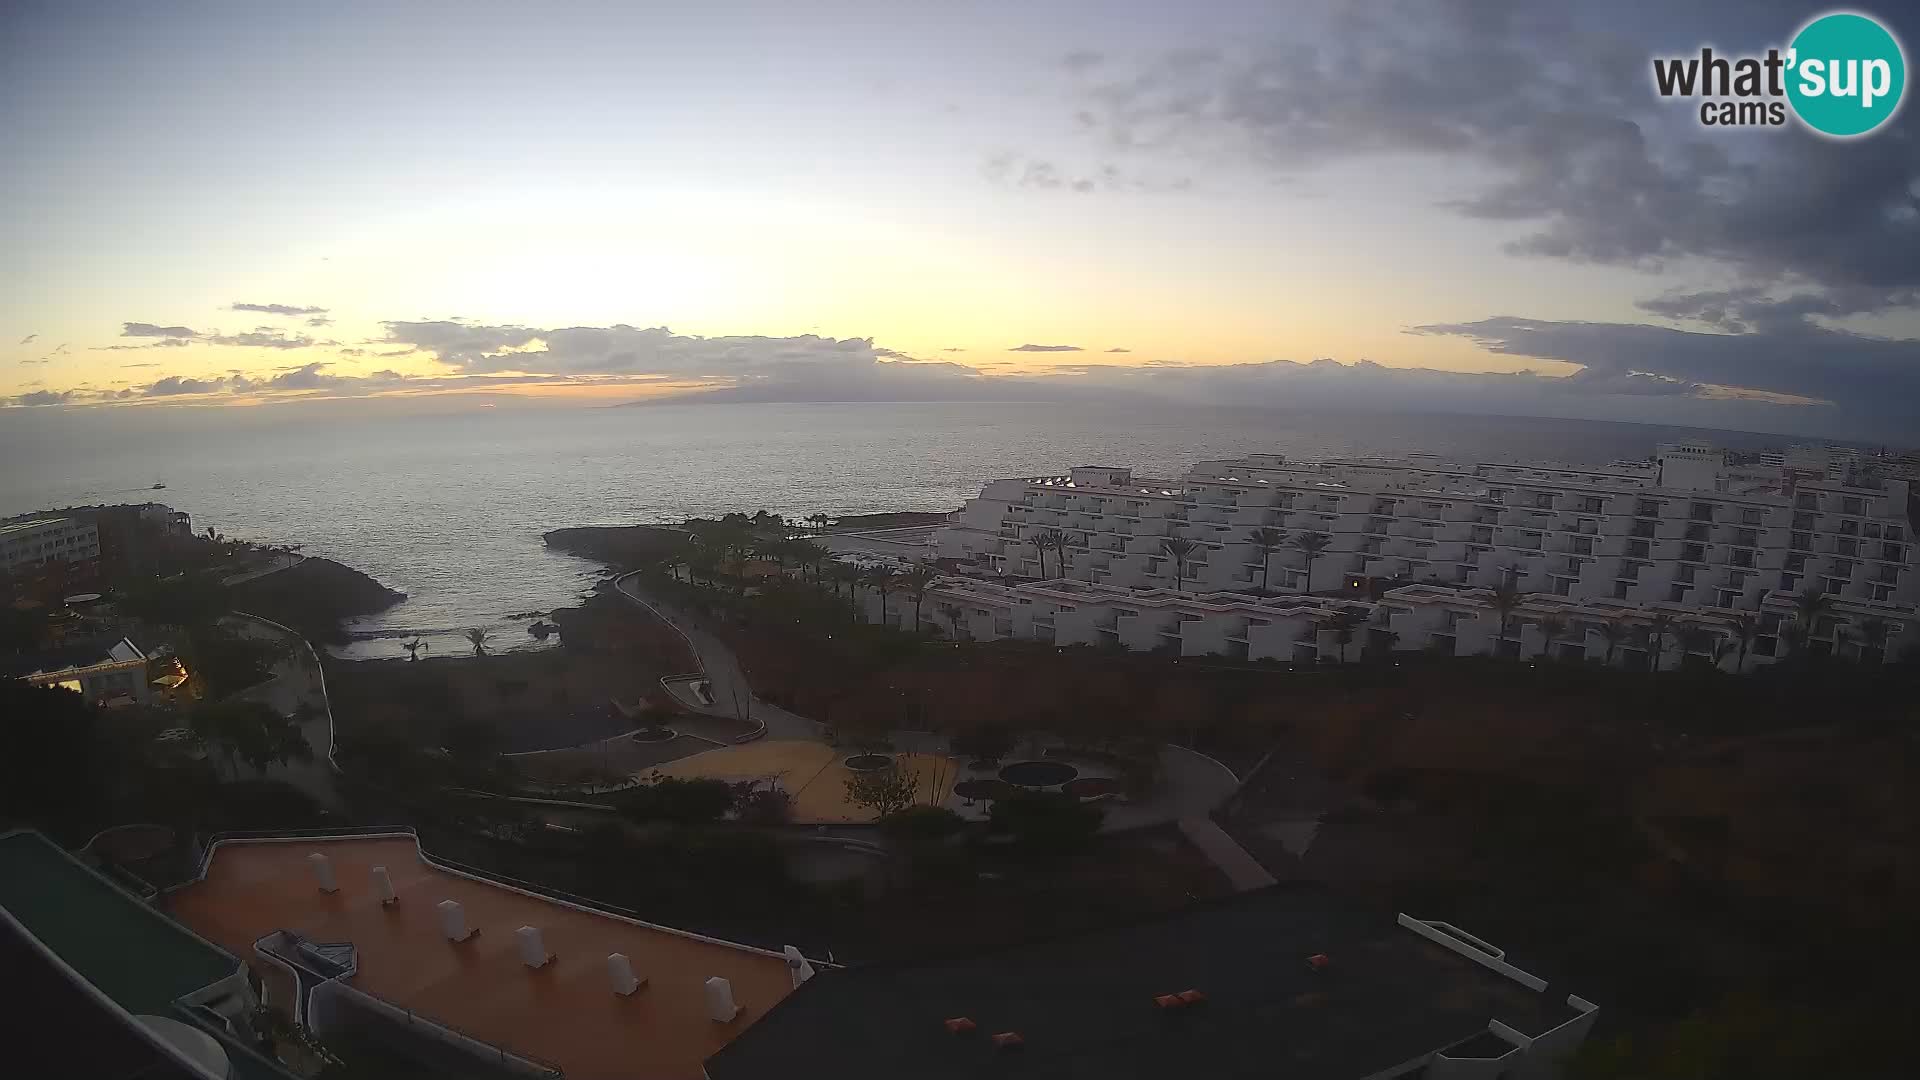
column 449, row 508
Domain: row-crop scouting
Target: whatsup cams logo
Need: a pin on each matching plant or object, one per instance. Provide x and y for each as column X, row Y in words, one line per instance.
column 1842, row 75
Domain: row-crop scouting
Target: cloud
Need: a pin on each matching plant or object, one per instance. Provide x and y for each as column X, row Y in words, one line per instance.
column 1551, row 108
column 39, row 361
column 141, row 329
column 1873, row 378
column 45, row 397
column 1045, row 348
column 1038, row 174
column 263, row 338
column 59, row 350
column 1081, row 60
column 145, row 364
column 174, row 385
column 953, row 349
column 1119, row 350
column 28, row 340
column 278, row 309
column 320, row 320
column 159, row 343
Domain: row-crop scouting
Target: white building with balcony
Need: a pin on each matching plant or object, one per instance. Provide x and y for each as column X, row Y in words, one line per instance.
column 1687, row 534
column 37, row 539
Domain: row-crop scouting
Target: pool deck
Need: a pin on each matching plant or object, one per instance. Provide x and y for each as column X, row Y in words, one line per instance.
column 813, row 774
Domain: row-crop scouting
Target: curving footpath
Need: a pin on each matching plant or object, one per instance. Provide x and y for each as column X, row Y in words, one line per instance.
column 722, row 669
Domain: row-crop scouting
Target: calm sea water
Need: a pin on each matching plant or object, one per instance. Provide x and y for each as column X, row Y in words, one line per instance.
column 450, row 508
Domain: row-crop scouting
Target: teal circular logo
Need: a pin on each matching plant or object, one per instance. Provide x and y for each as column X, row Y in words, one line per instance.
column 1846, row 74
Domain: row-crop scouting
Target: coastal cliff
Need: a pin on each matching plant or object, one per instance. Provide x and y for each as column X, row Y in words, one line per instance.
column 315, row 597
column 624, row 547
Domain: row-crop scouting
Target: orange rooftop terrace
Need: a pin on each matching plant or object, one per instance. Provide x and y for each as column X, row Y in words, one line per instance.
column 565, row 1011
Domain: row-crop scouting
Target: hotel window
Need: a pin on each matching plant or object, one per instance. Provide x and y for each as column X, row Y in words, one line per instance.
column 1849, row 528
column 1693, row 553
column 1852, row 506
column 1729, row 598
column 1639, row 549
column 1592, row 505
column 1751, row 516
column 1806, row 500
column 1796, row 563
column 1619, row 590
column 1647, row 508
column 1745, row 537
column 1583, row 545
column 1643, row 528
column 1739, row 557
column 1882, row 592
column 1789, row 582
column 1846, row 547
column 1843, row 568
column 1697, row 532
column 1563, row 587
column 1543, row 500
column 1803, row 521
column 1677, row 594
column 1802, row 541
column 1684, row 574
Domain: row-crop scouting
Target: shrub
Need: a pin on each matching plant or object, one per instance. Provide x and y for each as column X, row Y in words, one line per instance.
column 682, row 802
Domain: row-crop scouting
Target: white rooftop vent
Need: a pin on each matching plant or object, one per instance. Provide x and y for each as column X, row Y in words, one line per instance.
column 453, row 921
column 323, row 872
column 797, row 964
column 620, row 974
column 720, row 1005
column 383, row 885
column 533, row 948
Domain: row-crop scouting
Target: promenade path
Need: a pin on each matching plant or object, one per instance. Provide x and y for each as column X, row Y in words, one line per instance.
column 732, row 695
column 296, row 681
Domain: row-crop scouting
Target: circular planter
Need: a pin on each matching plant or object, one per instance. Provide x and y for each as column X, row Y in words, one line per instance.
column 1088, row 787
column 1038, row 774
column 978, row 790
column 869, row 762
column 654, row 735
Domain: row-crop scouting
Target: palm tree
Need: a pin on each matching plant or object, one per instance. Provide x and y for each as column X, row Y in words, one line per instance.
column 1873, row 633
column 809, row 556
column 852, row 576
column 1044, row 539
column 1178, row 548
column 1266, row 541
column 1745, row 627
column 953, row 612
column 1310, row 544
column 413, row 648
column 477, row 637
column 882, row 579
column 1506, row 599
column 1809, row 606
column 915, row 581
column 1659, row 629
column 1553, row 628
column 1613, row 631
column 1343, row 624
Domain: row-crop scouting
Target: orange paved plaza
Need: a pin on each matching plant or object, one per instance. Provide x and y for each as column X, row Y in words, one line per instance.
column 564, row 1013
column 813, row 774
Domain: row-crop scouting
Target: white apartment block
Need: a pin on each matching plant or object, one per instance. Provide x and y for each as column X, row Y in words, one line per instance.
column 33, row 541
column 1688, row 535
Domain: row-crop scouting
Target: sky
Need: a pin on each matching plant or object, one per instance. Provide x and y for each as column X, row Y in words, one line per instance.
column 1467, row 206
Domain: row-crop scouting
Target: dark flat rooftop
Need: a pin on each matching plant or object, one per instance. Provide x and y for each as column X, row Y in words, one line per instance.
column 1085, row 1006
column 135, row 955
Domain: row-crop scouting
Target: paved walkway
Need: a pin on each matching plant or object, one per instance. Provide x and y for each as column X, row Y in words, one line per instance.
column 296, row 681
column 732, row 695
column 1241, row 868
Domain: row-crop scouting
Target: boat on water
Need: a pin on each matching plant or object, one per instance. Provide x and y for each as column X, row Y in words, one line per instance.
column 157, row 487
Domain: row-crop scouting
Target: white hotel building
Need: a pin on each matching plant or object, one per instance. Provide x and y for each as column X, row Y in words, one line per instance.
column 1691, row 535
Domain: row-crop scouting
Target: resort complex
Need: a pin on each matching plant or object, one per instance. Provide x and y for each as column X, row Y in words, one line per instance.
column 1264, row 558
column 366, row 940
